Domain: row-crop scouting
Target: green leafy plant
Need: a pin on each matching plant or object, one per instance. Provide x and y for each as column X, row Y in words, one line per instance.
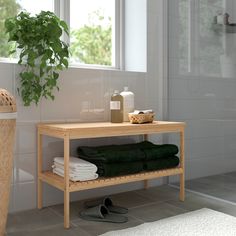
column 92, row 44
column 42, row 53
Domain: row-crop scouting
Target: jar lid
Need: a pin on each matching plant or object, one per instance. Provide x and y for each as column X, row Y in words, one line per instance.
column 7, row 102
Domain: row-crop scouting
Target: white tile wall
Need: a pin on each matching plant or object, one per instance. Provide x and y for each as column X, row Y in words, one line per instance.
column 84, row 95
column 204, row 99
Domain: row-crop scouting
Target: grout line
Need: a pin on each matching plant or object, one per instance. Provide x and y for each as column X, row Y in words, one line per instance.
column 207, row 196
column 55, row 212
column 136, row 218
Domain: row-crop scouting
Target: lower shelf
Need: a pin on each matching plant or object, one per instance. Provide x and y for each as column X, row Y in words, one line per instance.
column 58, row 181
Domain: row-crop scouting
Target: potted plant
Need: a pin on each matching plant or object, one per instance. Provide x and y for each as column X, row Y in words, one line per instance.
column 42, row 53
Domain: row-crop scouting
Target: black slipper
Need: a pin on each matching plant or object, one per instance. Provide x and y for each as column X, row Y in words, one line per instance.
column 101, row 213
column 107, row 202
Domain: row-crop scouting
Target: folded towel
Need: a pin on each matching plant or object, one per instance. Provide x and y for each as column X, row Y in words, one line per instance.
column 74, row 172
column 116, row 169
column 142, row 111
column 112, row 153
column 77, row 169
column 127, row 152
column 160, row 151
column 75, row 162
column 162, row 163
column 73, row 177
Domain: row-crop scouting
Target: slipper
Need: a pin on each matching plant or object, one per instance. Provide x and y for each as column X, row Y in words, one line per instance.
column 107, row 202
column 101, row 213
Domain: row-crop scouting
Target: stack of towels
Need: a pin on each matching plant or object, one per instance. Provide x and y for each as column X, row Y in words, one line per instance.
column 79, row 170
column 125, row 159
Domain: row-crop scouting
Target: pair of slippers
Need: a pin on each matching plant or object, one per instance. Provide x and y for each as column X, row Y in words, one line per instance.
column 104, row 210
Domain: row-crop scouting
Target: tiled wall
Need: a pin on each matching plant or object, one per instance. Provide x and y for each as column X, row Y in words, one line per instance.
column 201, row 92
column 202, row 85
column 84, row 96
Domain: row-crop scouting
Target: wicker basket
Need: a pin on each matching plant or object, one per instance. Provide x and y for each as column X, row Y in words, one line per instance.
column 7, row 134
column 7, row 101
column 141, row 118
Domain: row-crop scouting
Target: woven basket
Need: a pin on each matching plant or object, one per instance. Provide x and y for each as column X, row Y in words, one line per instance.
column 141, row 118
column 7, row 101
column 7, row 134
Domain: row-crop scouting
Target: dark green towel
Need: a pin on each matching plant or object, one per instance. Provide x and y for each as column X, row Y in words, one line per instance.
column 116, row 169
column 162, row 163
column 127, row 152
column 111, row 154
column 160, row 151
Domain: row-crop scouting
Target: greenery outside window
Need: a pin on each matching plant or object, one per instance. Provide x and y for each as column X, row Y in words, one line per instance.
column 10, row 8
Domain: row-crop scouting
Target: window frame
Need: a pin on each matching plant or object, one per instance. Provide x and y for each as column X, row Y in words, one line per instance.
column 62, row 9
column 119, row 55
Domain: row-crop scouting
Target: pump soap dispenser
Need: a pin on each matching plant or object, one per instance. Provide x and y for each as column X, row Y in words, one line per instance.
column 128, row 97
column 116, row 107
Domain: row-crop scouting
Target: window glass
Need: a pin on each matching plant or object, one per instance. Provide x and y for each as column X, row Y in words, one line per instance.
column 35, row 7
column 92, row 34
column 10, row 8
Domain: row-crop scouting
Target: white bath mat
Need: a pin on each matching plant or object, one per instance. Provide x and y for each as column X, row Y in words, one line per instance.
column 203, row 222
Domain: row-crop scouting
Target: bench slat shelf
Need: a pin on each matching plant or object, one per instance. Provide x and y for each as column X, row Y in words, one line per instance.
column 69, row 131
column 58, row 181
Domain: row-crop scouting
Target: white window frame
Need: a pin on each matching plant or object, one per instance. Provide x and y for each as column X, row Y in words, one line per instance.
column 120, row 52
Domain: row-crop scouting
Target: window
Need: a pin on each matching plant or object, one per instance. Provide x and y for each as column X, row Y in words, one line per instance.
column 10, row 8
column 110, row 33
column 92, row 36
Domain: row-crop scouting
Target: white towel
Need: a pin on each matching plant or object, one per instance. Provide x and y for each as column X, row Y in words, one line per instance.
column 142, row 111
column 75, row 177
column 75, row 162
column 74, row 171
column 77, row 169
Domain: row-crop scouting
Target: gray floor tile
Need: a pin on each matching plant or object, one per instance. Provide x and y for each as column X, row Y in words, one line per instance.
column 200, row 185
column 144, row 206
column 75, row 208
column 32, row 220
column 97, row 228
column 223, row 193
column 231, row 174
column 195, row 202
column 155, row 211
column 57, row 230
column 159, row 194
column 216, row 181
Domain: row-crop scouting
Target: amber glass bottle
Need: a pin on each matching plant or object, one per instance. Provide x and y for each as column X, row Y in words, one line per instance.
column 116, row 106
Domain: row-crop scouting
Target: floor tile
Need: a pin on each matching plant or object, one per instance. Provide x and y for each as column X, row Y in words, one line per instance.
column 32, row 220
column 155, row 211
column 231, row 174
column 159, row 194
column 96, row 228
column 144, row 206
column 75, row 208
column 223, row 193
column 57, row 230
column 195, row 202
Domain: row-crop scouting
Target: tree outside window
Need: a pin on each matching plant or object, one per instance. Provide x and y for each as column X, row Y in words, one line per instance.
column 90, row 31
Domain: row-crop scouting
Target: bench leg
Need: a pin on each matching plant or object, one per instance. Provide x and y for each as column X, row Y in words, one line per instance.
column 182, row 188
column 66, row 209
column 145, row 184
